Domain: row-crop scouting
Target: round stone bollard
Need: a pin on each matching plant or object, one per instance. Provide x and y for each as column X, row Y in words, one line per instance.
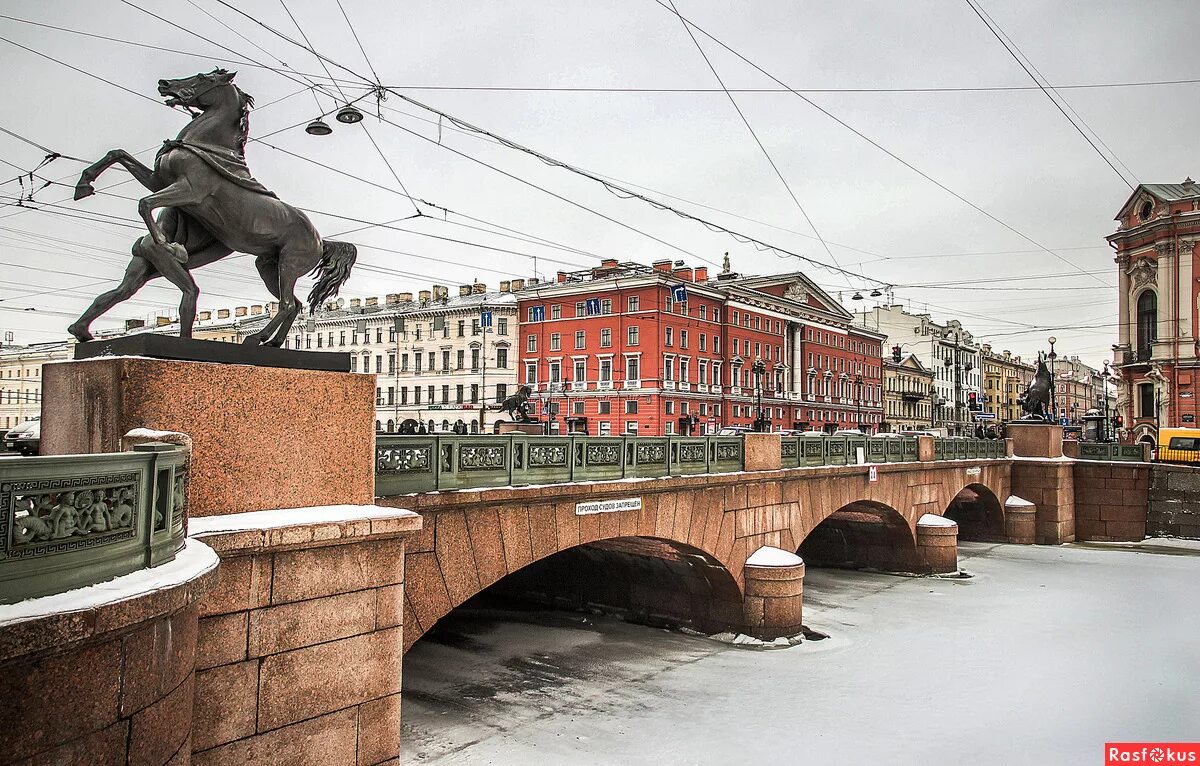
column 1020, row 520
column 937, row 544
column 773, row 604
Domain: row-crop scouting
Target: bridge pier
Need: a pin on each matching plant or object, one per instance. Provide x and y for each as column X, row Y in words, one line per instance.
column 1020, row 520
column 937, row 545
column 774, row 602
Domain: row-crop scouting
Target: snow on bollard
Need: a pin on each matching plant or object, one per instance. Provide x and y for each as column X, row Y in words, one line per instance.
column 937, row 544
column 1020, row 520
column 773, row 604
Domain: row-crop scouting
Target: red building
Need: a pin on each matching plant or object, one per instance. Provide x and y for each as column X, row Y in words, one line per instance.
column 1157, row 354
column 666, row 350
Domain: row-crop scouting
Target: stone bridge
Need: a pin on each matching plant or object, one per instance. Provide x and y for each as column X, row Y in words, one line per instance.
column 564, row 545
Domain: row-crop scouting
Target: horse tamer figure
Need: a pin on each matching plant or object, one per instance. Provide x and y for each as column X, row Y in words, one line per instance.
column 210, row 207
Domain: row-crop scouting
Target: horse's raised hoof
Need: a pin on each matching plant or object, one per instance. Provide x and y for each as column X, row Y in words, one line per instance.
column 80, row 333
column 83, row 190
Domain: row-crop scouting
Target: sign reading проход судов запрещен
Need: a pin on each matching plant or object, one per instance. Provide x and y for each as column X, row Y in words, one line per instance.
column 608, row 506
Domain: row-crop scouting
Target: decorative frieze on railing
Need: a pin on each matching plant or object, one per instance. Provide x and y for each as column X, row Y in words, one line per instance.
column 1121, row 452
column 75, row 520
column 965, row 448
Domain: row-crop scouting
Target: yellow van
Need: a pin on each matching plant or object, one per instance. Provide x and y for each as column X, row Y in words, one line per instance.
column 1179, row 445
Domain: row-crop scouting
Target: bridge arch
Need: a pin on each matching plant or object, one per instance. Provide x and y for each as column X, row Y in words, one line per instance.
column 863, row 534
column 657, row 564
column 979, row 514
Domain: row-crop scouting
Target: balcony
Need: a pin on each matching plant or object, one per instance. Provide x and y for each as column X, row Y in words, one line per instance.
column 668, row 385
column 735, row 391
column 604, row 385
column 631, row 384
column 683, row 385
column 913, row 396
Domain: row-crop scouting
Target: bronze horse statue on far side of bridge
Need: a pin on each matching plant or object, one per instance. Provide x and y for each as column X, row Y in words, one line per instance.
column 212, row 206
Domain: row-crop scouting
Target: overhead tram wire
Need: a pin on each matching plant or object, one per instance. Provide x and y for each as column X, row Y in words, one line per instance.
column 758, row 141
column 300, row 29
column 612, row 188
column 361, row 49
column 875, row 143
column 1055, row 90
column 992, row 27
column 601, row 89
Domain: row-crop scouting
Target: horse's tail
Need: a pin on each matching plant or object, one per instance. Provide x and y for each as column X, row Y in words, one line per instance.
column 337, row 258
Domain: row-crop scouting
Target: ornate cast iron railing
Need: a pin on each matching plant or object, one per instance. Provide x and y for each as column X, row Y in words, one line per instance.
column 967, row 449
column 76, row 520
column 1102, row 451
column 405, row 464
column 800, row 451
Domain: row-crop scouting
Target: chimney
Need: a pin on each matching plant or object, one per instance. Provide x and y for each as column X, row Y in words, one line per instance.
column 406, row 297
column 162, row 321
column 663, row 265
column 480, row 288
column 372, row 301
column 392, row 299
column 424, row 296
column 464, row 291
column 222, row 313
column 562, row 277
column 440, row 291
column 518, row 285
column 608, row 263
column 683, row 273
column 133, row 324
column 504, row 285
column 701, row 273
column 204, row 316
column 355, row 303
column 534, row 281
column 256, row 309
column 240, row 311
column 273, row 307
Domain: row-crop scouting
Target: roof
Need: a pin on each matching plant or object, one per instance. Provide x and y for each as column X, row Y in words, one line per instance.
column 1188, row 189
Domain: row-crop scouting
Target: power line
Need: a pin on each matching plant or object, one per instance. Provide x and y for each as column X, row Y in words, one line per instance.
column 873, row 142
column 602, row 89
column 993, row 28
column 354, row 32
column 757, row 140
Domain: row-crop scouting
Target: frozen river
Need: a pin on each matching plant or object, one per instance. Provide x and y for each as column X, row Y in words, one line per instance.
column 1040, row 658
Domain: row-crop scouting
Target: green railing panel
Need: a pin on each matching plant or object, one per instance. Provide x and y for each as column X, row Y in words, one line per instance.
column 813, row 450
column 689, row 455
column 599, row 457
column 471, row 462
column 76, row 520
column 405, row 464
column 647, row 456
column 876, row 451
column 789, row 451
column 726, row 454
column 910, row 450
column 541, row 459
column 836, row 448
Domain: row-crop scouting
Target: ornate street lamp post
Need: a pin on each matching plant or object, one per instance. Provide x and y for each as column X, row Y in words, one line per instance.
column 1053, row 379
column 759, row 368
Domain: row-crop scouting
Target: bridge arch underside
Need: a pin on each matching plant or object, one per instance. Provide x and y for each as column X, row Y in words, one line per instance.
column 864, row 534
column 978, row 513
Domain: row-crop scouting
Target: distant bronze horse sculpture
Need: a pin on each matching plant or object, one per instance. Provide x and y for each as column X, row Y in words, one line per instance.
column 211, row 206
column 1037, row 401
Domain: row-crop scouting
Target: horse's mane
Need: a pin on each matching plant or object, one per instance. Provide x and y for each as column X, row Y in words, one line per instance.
column 247, row 102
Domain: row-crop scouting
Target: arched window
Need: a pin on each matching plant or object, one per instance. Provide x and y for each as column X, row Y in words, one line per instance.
column 1147, row 324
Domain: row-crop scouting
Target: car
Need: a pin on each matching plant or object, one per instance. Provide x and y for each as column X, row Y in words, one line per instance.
column 848, row 432
column 25, row 438
column 733, row 431
column 918, row 433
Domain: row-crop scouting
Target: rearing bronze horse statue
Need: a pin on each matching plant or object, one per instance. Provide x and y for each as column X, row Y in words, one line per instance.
column 210, row 207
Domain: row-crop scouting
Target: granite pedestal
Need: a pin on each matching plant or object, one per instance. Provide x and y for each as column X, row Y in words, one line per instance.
column 262, row 437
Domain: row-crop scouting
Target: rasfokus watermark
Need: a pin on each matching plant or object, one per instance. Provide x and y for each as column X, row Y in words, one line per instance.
column 1151, row 752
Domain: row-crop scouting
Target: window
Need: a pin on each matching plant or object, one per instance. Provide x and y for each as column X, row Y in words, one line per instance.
column 606, row 338
column 632, row 339
column 342, row 338
column 501, row 391
column 531, row 344
column 475, row 359
column 634, row 303
column 458, row 394
column 556, row 311
column 416, row 394
column 430, row 368
column 605, row 428
column 462, row 326
column 460, row 359
column 581, row 308
column 1145, row 399
column 631, row 427
column 378, row 335
column 669, row 407
column 577, row 407
column 404, row 363
column 580, row 371
column 354, row 364
column 669, row 338
column 716, row 344
column 633, row 368
column 555, row 372
column 474, row 393
column 445, row 394
column 475, row 328
column 366, row 359
column 631, row 406
column 606, row 370
column 555, row 341
column 446, row 361
column 580, row 339
column 502, row 358
column 683, row 371
column 606, row 306
column 704, row 312
column 502, row 326
column 703, row 339
column 683, row 338
column 605, row 407
column 391, row 364
column 668, row 368
column 531, row 373
column 1147, row 324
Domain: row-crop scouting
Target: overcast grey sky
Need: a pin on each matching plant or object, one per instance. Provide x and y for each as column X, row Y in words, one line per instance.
column 1010, row 152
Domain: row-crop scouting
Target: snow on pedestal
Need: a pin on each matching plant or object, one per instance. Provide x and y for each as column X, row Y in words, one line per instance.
column 767, row 556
